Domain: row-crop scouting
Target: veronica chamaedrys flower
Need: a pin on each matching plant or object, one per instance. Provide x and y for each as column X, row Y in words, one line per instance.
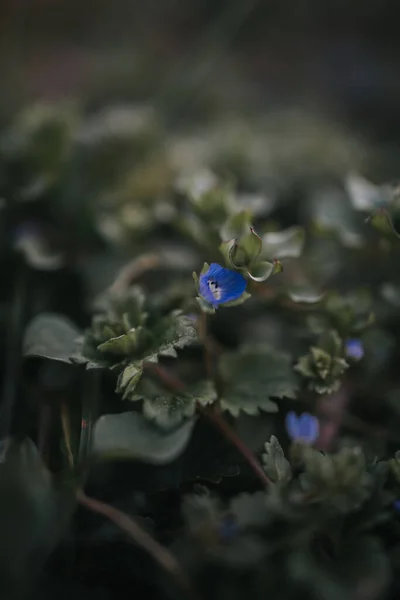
column 219, row 285
column 304, row 428
column 354, row 349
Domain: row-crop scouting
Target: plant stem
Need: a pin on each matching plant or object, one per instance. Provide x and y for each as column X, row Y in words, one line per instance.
column 161, row 555
column 219, row 422
column 177, row 385
column 208, row 358
column 66, row 427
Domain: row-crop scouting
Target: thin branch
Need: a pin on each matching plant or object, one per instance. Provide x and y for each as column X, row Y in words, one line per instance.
column 66, row 428
column 170, row 380
column 219, row 422
column 175, row 384
column 159, row 553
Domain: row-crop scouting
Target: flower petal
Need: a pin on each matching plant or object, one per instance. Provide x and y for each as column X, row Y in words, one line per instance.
column 309, row 428
column 219, row 285
column 292, row 425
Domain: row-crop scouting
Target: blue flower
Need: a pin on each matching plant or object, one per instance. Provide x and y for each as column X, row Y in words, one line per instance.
column 354, row 349
column 396, row 505
column 302, row 429
column 219, row 285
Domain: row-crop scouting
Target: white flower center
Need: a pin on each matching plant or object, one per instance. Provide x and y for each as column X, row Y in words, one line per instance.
column 215, row 289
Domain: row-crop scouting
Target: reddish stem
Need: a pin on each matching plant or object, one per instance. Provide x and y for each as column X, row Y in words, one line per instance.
column 160, row 554
column 176, row 384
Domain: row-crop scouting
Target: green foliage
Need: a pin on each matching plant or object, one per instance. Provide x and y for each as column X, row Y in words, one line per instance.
column 340, row 481
column 324, row 365
column 125, row 335
column 243, row 251
column 168, row 410
column 130, row 436
column 204, row 389
column 254, row 377
column 274, row 462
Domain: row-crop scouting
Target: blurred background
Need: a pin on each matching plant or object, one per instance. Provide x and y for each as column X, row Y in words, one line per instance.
column 339, row 58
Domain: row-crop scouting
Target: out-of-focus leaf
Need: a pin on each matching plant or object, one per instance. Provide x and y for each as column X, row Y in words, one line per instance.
column 276, row 466
column 255, row 376
column 363, row 194
column 131, row 436
column 305, row 294
column 168, row 410
column 283, row 244
column 33, row 512
column 52, row 336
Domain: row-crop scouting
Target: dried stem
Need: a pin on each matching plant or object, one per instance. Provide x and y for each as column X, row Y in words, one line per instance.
column 175, row 384
column 161, row 555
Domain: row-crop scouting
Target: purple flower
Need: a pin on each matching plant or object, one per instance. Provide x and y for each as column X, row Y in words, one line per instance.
column 304, row 428
column 219, row 285
column 354, row 349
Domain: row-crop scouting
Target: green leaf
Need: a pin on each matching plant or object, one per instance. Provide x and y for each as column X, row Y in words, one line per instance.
column 131, row 436
column 274, row 462
column 128, row 379
column 34, row 509
column 205, row 306
column 250, row 245
column 51, row 336
column 227, row 251
column 382, row 221
column 260, row 271
column 305, row 294
column 245, row 296
column 236, row 226
column 364, row 195
column 253, row 377
column 339, row 481
column 168, row 410
column 288, row 243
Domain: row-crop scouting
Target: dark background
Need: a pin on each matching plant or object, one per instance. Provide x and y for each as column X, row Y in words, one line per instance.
column 339, row 57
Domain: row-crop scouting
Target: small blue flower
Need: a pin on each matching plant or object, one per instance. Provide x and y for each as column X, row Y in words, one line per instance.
column 302, row 429
column 396, row 505
column 219, row 285
column 354, row 349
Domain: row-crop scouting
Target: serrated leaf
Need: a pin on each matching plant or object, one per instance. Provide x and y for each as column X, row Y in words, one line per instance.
column 276, row 466
column 130, row 436
column 253, row 377
column 129, row 378
column 288, row 243
column 169, row 411
column 51, row 336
